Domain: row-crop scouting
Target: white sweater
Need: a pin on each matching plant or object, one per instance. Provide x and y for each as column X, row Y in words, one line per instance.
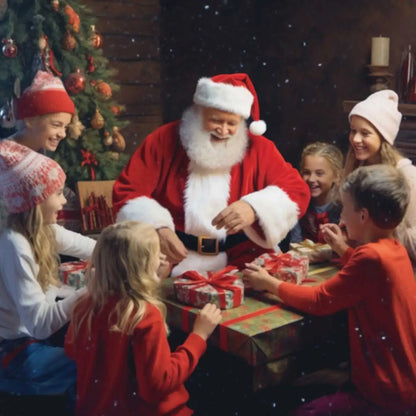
column 25, row 310
column 406, row 231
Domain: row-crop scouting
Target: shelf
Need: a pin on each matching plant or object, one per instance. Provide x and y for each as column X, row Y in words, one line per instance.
column 408, row 110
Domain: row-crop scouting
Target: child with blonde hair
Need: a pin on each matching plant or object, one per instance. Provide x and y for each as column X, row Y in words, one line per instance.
column 118, row 333
column 31, row 185
column 321, row 168
column 374, row 124
column 44, row 111
column 377, row 287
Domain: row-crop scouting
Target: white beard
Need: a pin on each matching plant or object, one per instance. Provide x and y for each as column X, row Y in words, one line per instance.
column 206, row 155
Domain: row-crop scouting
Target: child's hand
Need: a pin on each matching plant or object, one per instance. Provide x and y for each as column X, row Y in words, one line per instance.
column 256, row 277
column 164, row 267
column 335, row 237
column 206, row 321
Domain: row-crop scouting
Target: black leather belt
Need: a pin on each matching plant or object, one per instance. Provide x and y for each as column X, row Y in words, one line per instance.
column 210, row 246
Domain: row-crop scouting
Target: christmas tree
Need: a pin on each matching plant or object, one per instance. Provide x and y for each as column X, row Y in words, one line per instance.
column 61, row 37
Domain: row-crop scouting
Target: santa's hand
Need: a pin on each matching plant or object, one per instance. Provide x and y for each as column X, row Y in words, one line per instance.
column 235, row 217
column 171, row 246
column 334, row 236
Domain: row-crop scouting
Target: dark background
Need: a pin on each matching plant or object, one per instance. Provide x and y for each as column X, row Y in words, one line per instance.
column 305, row 57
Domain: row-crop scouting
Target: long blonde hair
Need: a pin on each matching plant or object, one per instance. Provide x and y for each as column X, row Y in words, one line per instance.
column 123, row 265
column 388, row 155
column 41, row 238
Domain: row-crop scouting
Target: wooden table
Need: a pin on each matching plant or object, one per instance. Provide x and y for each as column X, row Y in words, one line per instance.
column 276, row 343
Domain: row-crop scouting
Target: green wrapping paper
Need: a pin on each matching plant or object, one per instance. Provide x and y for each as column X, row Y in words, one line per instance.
column 262, row 331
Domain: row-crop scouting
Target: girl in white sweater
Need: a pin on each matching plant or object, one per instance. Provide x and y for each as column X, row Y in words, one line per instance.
column 31, row 185
column 374, row 124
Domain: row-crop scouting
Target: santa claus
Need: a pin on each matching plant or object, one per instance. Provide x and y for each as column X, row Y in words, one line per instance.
column 217, row 192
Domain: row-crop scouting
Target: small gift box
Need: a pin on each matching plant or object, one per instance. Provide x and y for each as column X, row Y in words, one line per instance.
column 316, row 252
column 223, row 288
column 72, row 273
column 288, row 267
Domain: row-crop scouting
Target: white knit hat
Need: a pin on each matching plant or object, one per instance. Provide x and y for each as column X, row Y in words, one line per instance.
column 381, row 110
column 233, row 93
column 27, row 178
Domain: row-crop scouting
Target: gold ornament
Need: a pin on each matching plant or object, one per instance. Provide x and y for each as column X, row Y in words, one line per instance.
column 75, row 127
column 108, row 140
column 114, row 155
column 97, row 121
column 119, row 144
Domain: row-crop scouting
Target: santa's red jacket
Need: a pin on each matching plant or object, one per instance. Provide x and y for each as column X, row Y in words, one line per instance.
column 159, row 187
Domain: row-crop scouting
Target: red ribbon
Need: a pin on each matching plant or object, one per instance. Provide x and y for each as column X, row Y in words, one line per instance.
column 89, row 160
column 276, row 262
column 220, row 281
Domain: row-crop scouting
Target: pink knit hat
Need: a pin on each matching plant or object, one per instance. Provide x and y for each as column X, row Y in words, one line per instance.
column 45, row 95
column 27, row 178
column 381, row 110
column 233, row 93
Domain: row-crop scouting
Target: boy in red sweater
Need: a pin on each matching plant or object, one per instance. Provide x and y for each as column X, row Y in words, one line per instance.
column 378, row 288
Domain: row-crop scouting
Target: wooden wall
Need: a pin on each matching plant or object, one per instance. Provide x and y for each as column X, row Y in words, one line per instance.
column 130, row 30
column 305, row 57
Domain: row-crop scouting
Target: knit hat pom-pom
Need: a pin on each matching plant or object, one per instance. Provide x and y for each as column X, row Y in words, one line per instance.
column 258, row 127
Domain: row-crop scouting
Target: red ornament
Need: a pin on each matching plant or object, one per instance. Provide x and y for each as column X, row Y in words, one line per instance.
column 68, row 42
column 9, row 49
column 75, row 83
column 103, row 89
column 96, row 39
column 91, row 66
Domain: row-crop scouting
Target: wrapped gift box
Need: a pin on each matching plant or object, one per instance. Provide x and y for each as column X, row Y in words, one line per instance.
column 223, row 288
column 288, row 267
column 72, row 273
column 316, row 252
column 263, row 332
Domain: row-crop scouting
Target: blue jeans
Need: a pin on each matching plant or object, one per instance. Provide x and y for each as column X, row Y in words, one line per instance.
column 38, row 369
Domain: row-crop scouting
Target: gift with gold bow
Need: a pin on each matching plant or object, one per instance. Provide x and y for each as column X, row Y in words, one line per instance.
column 316, row 252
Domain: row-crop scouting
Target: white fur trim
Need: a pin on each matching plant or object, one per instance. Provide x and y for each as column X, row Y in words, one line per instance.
column 206, row 195
column 225, row 97
column 277, row 214
column 146, row 210
column 200, row 263
column 258, row 127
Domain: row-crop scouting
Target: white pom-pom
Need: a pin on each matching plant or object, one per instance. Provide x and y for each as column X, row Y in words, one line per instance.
column 258, row 127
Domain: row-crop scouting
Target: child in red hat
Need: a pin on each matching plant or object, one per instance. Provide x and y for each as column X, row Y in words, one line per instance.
column 44, row 111
column 31, row 186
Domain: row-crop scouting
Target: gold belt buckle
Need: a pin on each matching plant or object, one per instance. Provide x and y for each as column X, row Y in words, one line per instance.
column 207, row 246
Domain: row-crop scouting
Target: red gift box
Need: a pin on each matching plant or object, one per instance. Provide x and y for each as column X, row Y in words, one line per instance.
column 224, row 288
column 285, row 266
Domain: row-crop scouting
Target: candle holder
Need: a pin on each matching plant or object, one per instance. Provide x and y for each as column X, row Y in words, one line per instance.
column 380, row 77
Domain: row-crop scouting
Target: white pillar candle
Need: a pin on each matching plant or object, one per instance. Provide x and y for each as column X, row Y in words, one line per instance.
column 380, row 50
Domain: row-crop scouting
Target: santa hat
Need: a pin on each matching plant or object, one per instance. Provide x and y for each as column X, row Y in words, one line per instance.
column 233, row 93
column 45, row 95
column 27, row 178
column 381, row 110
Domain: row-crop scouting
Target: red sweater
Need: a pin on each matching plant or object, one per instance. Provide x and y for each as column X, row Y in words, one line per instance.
column 378, row 288
column 131, row 375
